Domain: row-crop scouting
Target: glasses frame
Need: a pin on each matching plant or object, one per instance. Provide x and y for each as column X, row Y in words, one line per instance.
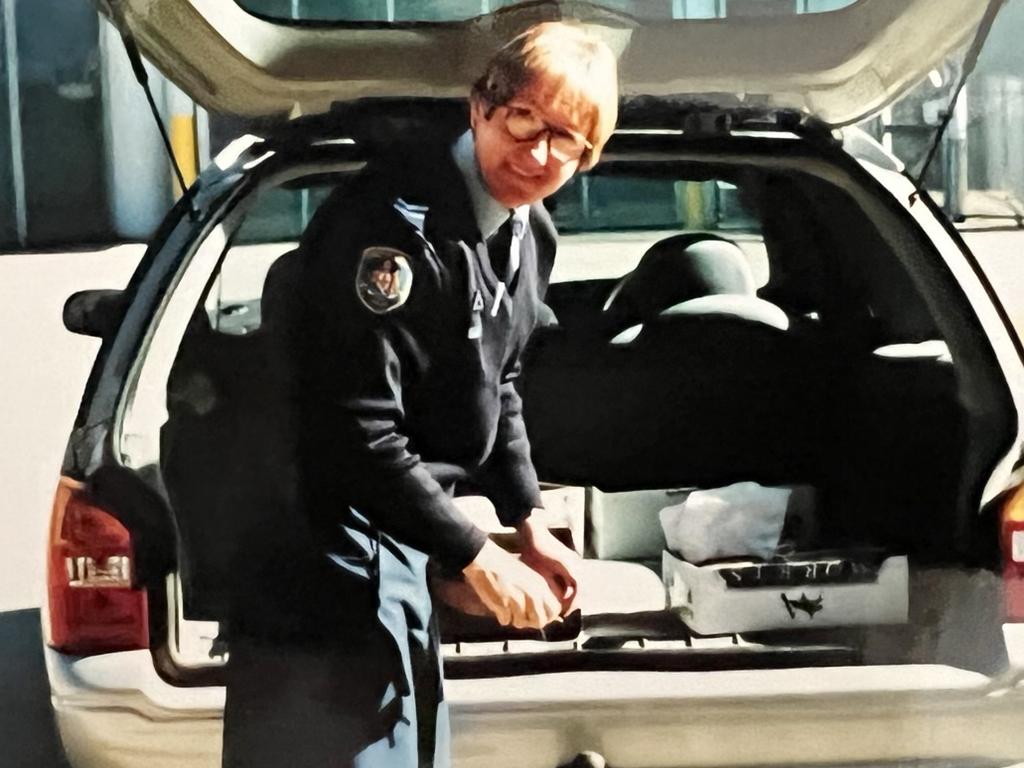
column 549, row 131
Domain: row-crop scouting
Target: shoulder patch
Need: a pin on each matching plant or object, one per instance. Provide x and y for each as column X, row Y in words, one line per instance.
column 383, row 279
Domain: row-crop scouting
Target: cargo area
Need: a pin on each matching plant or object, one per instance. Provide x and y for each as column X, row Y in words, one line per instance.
column 827, row 371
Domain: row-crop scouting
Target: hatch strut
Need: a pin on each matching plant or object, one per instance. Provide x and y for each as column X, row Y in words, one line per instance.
column 140, row 74
column 970, row 60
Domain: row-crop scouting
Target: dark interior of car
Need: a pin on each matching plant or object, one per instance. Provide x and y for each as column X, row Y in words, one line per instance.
column 672, row 375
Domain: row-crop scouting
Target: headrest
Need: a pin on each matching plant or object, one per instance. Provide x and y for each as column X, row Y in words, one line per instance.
column 743, row 307
column 675, row 270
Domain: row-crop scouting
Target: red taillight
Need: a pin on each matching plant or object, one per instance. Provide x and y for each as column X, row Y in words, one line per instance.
column 1012, row 541
column 93, row 607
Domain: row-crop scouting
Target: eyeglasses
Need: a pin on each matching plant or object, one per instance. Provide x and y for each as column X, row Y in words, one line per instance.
column 523, row 124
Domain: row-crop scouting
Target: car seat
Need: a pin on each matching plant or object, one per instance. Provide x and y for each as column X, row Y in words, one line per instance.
column 708, row 383
column 675, row 270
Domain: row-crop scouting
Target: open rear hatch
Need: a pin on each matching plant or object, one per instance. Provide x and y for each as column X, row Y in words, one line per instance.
column 840, row 66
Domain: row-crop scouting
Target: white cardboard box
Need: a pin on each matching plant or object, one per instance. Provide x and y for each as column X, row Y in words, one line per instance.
column 709, row 606
column 625, row 525
column 563, row 508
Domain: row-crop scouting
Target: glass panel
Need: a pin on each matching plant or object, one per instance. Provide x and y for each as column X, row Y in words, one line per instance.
column 994, row 136
column 8, row 216
column 607, row 222
column 821, row 6
column 433, row 10
column 601, row 210
column 977, row 171
column 61, row 121
column 459, row 10
column 619, row 203
column 322, row 10
column 698, row 9
column 282, row 213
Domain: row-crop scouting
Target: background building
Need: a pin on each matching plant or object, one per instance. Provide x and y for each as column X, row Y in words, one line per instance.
column 81, row 160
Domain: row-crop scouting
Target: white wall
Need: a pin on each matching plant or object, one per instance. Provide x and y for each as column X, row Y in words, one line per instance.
column 43, row 369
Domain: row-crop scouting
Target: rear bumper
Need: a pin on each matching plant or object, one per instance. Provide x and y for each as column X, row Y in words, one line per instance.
column 114, row 711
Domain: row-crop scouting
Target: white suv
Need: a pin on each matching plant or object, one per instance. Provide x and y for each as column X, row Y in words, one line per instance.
column 870, row 366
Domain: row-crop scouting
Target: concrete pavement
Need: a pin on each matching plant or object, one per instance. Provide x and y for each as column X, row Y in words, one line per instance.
column 28, row 734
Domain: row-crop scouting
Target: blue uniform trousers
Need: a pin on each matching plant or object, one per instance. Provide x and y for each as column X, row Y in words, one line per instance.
column 371, row 699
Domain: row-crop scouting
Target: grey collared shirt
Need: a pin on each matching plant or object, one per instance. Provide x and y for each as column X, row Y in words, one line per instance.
column 488, row 212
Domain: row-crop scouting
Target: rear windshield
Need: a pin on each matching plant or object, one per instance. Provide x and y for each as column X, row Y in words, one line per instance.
column 589, row 203
column 606, row 219
column 622, row 202
column 343, row 11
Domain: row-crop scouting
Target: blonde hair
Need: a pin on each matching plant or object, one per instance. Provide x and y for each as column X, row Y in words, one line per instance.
column 567, row 64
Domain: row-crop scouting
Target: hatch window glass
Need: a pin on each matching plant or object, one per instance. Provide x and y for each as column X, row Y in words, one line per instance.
column 354, row 11
column 607, row 220
column 614, row 202
column 973, row 165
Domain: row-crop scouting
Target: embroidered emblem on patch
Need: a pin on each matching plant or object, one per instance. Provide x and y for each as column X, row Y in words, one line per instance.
column 384, row 279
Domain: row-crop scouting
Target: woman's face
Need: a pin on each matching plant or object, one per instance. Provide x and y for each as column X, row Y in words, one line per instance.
column 522, row 171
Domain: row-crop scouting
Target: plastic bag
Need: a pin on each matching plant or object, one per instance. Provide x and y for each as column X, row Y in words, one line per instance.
column 740, row 520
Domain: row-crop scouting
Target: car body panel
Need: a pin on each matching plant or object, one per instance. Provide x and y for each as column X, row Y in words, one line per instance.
column 117, row 709
column 839, row 66
column 104, row 435
column 971, row 278
column 113, row 710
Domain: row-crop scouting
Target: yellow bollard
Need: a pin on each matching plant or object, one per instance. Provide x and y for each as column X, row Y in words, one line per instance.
column 183, row 144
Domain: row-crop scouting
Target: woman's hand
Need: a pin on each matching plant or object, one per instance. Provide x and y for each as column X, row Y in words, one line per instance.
column 513, row 593
column 549, row 557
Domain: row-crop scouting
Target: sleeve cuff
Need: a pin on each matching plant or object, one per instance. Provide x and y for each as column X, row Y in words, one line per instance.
column 454, row 555
column 511, row 517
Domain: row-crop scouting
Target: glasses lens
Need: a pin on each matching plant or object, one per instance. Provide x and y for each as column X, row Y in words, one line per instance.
column 566, row 147
column 523, row 124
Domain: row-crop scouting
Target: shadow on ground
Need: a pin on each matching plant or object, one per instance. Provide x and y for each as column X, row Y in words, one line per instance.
column 28, row 736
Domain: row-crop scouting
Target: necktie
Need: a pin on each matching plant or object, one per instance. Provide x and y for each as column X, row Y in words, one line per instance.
column 503, row 253
column 499, row 250
column 503, row 248
column 518, row 230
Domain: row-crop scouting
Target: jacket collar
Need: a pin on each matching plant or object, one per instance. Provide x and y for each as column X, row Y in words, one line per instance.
column 424, row 175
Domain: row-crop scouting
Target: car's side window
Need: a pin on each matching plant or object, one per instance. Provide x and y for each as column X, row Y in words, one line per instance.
column 271, row 228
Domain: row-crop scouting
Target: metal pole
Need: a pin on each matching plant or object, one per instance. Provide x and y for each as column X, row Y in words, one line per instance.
column 182, row 132
column 203, row 149
column 14, row 120
column 955, row 157
column 585, row 197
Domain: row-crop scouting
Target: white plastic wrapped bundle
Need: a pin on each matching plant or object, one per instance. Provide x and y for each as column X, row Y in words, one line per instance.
column 740, row 520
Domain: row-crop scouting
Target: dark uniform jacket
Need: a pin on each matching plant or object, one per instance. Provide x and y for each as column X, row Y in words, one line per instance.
column 400, row 406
